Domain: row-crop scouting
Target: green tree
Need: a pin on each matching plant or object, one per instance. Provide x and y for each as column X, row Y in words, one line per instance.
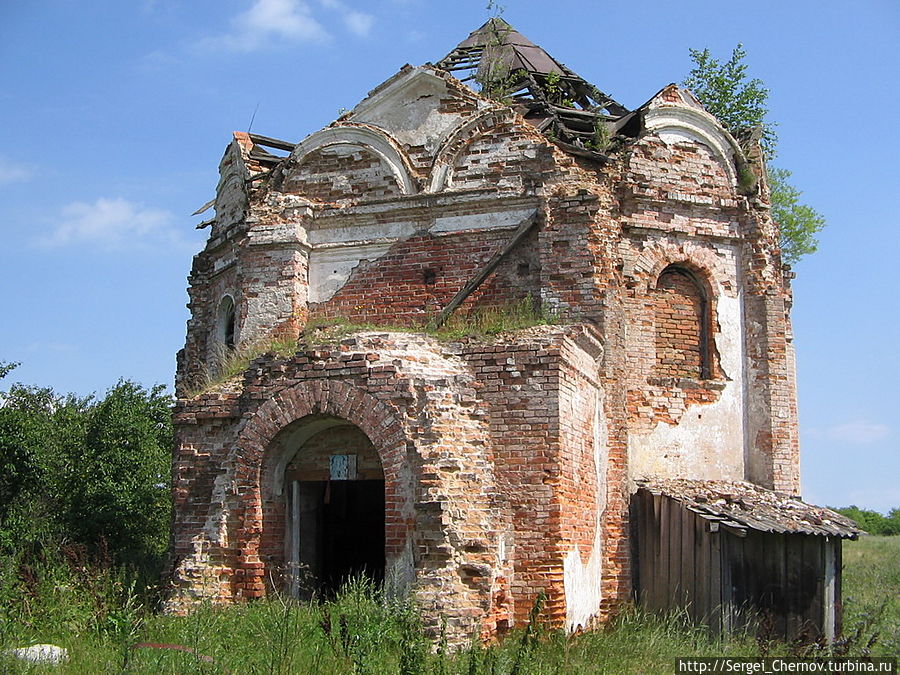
column 86, row 470
column 120, row 480
column 739, row 102
column 798, row 223
column 34, row 424
column 5, row 368
column 872, row 521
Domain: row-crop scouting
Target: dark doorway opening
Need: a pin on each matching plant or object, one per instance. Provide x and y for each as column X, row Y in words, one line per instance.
column 341, row 532
column 335, row 506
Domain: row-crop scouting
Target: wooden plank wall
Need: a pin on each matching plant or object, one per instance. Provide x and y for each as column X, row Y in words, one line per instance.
column 678, row 560
column 770, row 583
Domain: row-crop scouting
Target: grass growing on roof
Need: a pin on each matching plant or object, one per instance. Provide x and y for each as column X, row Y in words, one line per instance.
column 476, row 323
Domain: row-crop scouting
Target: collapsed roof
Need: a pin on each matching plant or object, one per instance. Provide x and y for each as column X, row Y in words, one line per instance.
column 509, row 67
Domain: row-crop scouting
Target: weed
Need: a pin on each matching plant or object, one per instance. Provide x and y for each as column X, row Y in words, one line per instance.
column 531, row 635
column 482, row 322
column 231, row 362
column 601, row 138
column 555, row 92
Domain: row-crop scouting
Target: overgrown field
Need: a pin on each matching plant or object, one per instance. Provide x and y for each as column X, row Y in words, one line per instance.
column 100, row 615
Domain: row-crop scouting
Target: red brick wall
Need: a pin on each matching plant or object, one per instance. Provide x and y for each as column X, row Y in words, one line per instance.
column 418, row 276
column 679, row 320
column 342, row 173
column 520, row 384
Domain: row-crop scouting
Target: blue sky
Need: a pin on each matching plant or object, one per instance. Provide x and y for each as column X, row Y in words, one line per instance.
column 115, row 115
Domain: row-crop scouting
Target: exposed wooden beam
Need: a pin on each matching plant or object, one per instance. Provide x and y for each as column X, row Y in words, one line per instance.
column 484, row 272
column 272, row 142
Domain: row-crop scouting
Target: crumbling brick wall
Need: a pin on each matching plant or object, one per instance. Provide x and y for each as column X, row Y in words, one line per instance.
column 508, row 466
column 490, row 524
column 418, row 276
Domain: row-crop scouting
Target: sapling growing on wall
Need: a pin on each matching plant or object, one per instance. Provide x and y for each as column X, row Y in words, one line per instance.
column 740, row 102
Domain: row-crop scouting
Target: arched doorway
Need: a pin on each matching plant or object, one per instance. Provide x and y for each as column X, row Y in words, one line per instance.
column 334, row 505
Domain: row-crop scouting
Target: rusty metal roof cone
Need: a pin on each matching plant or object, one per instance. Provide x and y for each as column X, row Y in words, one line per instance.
column 508, row 67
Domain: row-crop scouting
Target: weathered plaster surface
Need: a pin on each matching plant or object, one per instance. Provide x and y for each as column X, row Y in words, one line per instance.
column 506, row 463
column 708, row 441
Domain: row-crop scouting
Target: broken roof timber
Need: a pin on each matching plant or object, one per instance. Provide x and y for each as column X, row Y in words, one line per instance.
column 272, row 142
column 539, row 87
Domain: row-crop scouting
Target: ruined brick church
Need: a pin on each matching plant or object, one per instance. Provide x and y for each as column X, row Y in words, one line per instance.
column 644, row 445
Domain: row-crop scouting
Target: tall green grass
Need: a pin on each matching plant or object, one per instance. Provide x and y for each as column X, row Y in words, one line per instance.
column 871, row 592
column 102, row 614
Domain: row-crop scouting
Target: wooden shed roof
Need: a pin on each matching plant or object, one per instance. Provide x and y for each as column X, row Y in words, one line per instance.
column 742, row 505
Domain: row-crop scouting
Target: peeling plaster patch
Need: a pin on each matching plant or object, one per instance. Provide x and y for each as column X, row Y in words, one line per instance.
column 583, row 581
column 389, row 232
column 709, row 439
column 583, row 586
column 222, row 263
column 330, row 268
column 407, row 108
column 481, row 221
column 215, row 530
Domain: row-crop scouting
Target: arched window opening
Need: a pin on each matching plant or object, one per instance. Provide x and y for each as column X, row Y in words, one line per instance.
column 681, row 322
column 225, row 322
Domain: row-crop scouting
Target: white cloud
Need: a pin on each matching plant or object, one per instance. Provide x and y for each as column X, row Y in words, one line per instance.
column 858, row 433
column 57, row 347
column 358, row 23
column 10, row 172
column 267, row 20
column 114, row 224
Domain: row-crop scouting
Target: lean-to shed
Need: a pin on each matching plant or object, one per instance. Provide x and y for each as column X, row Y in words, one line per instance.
column 737, row 556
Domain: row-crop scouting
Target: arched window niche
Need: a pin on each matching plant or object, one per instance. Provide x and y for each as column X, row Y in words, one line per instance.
column 225, row 322
column 682, row 317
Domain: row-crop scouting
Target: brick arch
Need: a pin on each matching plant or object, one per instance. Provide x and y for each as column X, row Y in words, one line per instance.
column 700, row 264
column 372, row 139
column 254, row 529
column 698, row 274
column 701, row 261
column 461, row 138
column 673, row 121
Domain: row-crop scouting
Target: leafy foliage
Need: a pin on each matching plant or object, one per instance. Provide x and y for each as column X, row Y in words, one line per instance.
column 5, row 368
column 798, row 223
column 737, row 101
column 872, row 521
column 740, row 104
column 92, row 472
column 120, row 483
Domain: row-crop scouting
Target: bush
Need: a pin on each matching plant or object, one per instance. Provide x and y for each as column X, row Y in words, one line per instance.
column 94, row 473
column 872, row 521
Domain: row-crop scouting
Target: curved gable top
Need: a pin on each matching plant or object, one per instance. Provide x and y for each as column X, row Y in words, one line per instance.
column 459, row 139
column 676, row 119
column 373, row 140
